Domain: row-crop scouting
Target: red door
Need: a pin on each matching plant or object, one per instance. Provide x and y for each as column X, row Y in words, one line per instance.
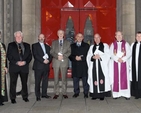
column 73, row 16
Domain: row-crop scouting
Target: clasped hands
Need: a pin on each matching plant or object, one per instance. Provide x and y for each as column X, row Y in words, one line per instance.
column 96, row 56
column 120, row 60
column 60, row 57
column 78, row 58
column 46, row 61
column 21, row 63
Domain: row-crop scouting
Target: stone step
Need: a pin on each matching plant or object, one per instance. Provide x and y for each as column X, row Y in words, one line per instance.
column 51, row 86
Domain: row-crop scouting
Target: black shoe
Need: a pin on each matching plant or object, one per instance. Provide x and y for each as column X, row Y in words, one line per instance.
column 101, row 98
column 75, row 95
column 55, row 96
column 13, row 101
column 93, row 98
column 1, row 104
column 86, row 96
column 127, row 98
column 18, row 93
column 115, row 98
column 46, row 96
column 38, row 99
column 65, row 96
column 26, row 99
column 136, row 97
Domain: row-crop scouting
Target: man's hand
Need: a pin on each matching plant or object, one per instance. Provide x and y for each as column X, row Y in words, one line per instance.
column 120, row 60
column 78, row 58
column 96, row 56
column 21, row 63
column 46, row 61
column 6, row 70
column 60, row 57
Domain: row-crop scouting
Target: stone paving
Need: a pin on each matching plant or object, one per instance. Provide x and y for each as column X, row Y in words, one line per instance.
column 72, row 105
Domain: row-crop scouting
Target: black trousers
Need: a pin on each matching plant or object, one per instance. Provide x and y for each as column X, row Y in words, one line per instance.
column 13, row 84
column 41, row 75
column 76, row 84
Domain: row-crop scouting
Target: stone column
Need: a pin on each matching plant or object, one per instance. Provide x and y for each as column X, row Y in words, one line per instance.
column 128, row 20
column 1, row 17
column 17, row 15
column 29, row 29
column 118, row 14
column 138, row 15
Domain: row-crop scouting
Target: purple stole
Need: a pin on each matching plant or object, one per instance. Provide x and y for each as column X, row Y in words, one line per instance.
column 123, row 70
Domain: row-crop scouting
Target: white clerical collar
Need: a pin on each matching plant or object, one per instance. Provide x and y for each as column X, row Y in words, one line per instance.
column 139, row 42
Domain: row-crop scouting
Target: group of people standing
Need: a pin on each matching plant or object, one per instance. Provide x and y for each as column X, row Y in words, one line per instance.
column 111, row 69
column 103, row 69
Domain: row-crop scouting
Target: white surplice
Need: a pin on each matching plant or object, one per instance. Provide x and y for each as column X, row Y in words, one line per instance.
column 126, row 58
column 136, row 59
column 104, row 61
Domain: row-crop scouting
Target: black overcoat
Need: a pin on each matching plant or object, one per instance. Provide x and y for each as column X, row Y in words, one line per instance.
column 79, row 68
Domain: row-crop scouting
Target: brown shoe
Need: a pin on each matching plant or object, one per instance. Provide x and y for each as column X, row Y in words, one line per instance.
column 65, row 96
column 55, row 96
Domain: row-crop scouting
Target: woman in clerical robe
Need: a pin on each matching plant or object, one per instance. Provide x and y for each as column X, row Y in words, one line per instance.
column 119, row 67
column 3, row 71
column 98, row 77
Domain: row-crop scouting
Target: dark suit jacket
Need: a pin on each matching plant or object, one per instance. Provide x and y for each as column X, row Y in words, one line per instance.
column 79, row 68
column 13, row 57
column 38, row 56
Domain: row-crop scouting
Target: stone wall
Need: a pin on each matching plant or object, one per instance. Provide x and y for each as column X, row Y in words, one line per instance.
column 126, row 19
column 31, row 29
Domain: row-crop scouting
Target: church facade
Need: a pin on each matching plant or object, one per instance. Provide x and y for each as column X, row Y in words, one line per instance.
column 26, row 16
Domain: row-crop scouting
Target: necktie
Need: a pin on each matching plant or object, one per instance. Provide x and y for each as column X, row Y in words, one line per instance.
column 20, row 51
column 78, row 44
column 61, row 43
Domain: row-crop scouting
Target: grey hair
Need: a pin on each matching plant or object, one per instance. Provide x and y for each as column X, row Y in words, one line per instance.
column 60, row 30
column 118, row 32
column 18, row 32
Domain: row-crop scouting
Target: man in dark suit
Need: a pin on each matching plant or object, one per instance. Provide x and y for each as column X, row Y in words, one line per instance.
column 79, row 65
column 19, row 56
column 60, row 50
column 42, row 59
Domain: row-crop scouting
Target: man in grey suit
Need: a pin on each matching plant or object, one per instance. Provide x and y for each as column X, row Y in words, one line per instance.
column 60, row 50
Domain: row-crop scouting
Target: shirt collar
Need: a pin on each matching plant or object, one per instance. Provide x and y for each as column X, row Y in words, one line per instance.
column 41, row 43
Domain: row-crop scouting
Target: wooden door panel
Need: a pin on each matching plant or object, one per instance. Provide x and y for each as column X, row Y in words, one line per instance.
column 74, row 15
column 55, row 14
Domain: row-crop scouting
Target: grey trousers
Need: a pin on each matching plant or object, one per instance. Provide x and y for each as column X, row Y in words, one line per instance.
column 57, row 72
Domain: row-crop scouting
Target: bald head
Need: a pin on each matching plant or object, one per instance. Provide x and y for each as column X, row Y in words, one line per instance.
column 97, row 38
column 118, row 35
column 41, row 38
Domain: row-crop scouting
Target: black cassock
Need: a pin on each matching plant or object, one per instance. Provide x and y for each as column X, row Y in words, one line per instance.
column 136, row 85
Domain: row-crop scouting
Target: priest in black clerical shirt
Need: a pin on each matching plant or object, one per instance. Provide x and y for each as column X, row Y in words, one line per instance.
column 135, row 67
column 98, row 77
